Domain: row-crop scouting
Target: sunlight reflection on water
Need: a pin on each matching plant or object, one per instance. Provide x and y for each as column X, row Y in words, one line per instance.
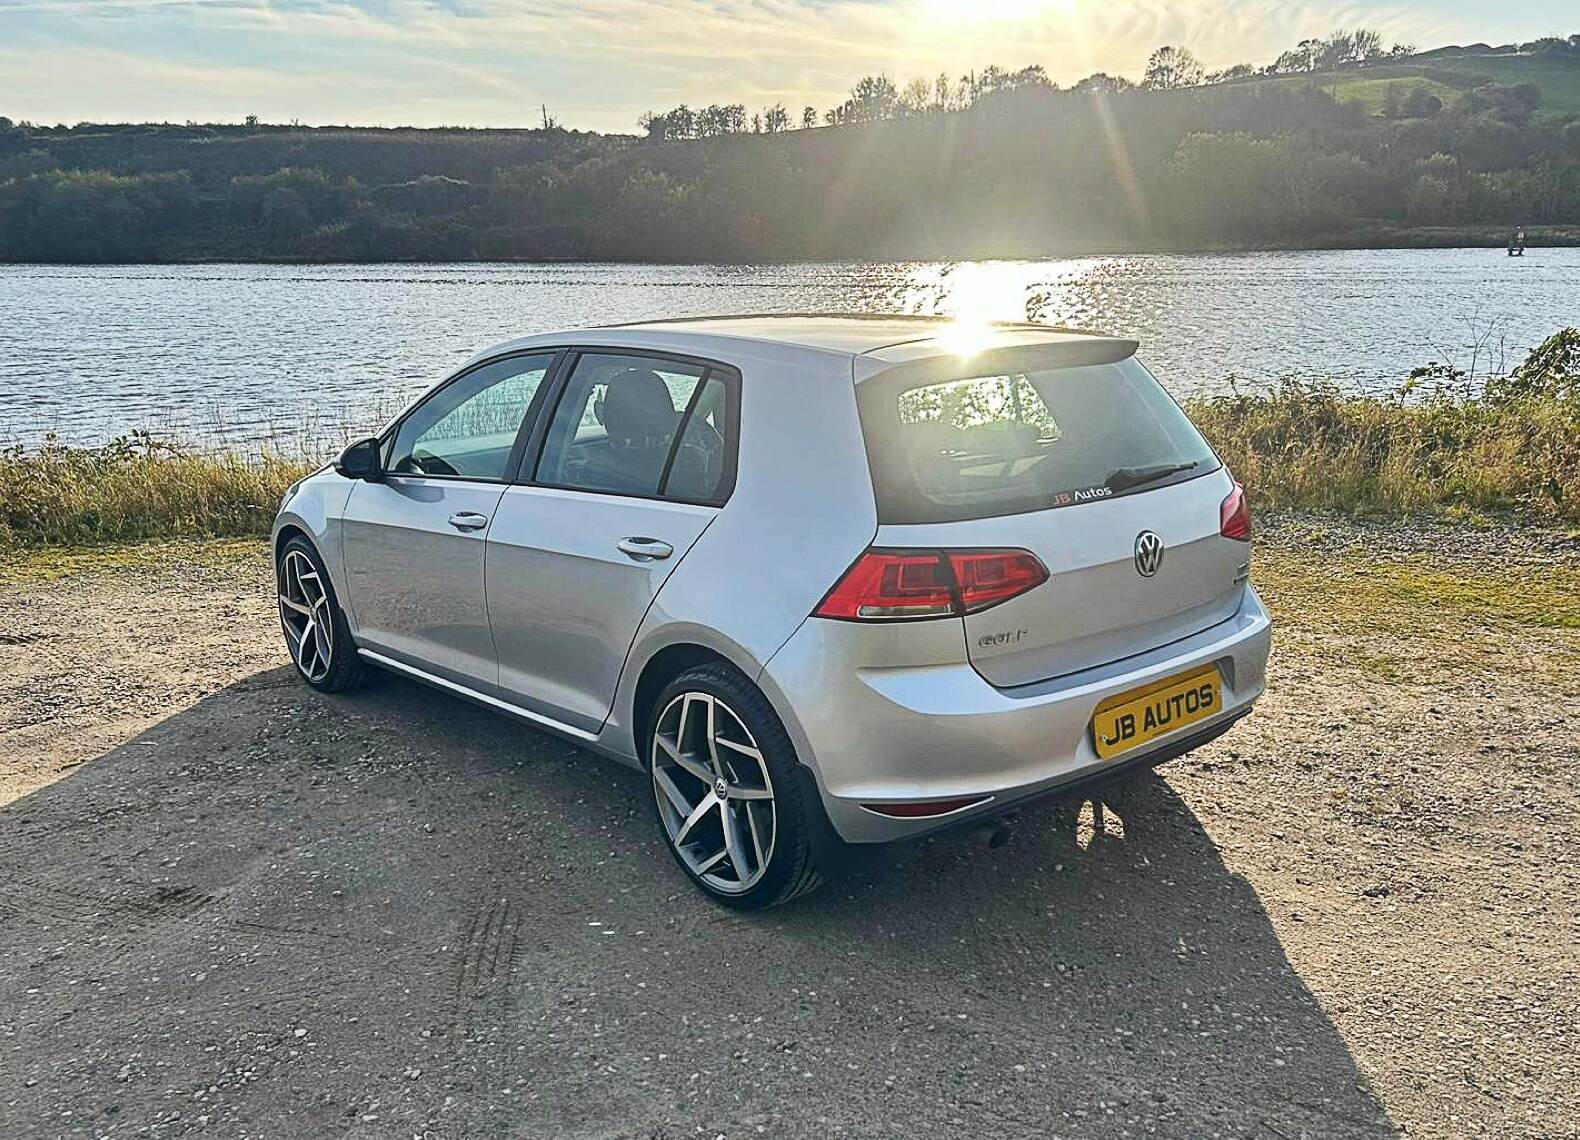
column 240, row 352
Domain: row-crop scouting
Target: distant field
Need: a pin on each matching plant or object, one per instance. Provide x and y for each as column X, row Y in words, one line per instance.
column 1370, row 93
column 1557, row 75
column 1448, row 78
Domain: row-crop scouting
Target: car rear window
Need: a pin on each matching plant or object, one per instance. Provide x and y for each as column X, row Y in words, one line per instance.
column 983, row 445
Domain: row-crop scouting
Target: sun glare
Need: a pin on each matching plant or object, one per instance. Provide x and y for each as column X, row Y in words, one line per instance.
column 966, row 338
column 974, row 294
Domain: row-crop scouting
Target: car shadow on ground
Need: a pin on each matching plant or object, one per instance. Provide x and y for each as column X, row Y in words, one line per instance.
column 395, row 914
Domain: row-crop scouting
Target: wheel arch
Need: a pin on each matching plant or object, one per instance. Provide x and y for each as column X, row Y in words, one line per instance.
column 662, row 667
column 667, row 663
column 287, row 532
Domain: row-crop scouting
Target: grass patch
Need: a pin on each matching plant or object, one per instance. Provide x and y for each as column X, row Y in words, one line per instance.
column 1355, row 592
column 1371, row 94
column 1549, row 596
column 1558, row 75
column 32, row 565
column 1401, row 622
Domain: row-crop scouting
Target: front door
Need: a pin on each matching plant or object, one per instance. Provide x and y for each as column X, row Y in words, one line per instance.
column 636, row 460
column 414, row 541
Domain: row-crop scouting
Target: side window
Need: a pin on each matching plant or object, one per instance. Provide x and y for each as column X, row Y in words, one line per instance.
column 617, row 423
column 469, row 428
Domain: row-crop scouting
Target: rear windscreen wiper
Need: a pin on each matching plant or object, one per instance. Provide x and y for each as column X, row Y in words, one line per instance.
column 1127, row 477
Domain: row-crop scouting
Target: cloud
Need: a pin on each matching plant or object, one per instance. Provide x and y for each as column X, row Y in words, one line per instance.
column 599, row 63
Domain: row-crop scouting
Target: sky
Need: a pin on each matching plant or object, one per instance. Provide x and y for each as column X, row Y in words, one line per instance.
column 598, row 64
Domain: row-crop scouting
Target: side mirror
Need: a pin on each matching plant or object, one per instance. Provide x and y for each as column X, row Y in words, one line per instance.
column 360, row 460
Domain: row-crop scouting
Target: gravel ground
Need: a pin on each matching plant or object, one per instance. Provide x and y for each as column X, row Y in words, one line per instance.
column 230, row 905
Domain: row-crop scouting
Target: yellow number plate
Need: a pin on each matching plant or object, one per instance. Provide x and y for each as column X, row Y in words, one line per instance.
column 1132, row 719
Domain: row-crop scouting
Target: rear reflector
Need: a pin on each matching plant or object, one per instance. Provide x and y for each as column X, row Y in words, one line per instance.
column 1234, row 516
column 924, row 810
column 901, row 585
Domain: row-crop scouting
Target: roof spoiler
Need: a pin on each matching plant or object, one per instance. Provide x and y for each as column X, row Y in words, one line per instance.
column 922, row 362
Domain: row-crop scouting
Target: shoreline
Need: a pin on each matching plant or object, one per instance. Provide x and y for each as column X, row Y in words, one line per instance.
column 1381, row 240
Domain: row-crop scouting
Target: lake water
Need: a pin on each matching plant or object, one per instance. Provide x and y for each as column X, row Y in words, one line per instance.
column 242, row 352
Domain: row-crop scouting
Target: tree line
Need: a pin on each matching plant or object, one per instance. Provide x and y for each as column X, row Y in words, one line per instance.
column 1170, row 68
column 1001, row 163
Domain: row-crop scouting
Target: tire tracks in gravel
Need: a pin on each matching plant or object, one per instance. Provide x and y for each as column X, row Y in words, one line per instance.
column 138, row 906
column 485, row 965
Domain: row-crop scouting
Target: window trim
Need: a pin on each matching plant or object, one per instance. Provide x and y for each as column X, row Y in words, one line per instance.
column 683, row 425
column 525, row 474
column 557, row 356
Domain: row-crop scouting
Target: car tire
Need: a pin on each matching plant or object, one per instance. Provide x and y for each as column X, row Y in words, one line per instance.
column 316, row 633
column 711, row 731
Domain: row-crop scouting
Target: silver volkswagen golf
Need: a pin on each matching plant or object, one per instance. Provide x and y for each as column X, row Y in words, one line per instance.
column 826, row 579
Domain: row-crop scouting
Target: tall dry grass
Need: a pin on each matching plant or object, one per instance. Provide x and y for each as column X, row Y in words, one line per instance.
column 1305, row 447
column 137, row 488
column 1437, row 445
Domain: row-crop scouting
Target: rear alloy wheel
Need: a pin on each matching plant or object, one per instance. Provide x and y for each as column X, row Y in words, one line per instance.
column 315, row 630
column 728, row 799
column 714, row 794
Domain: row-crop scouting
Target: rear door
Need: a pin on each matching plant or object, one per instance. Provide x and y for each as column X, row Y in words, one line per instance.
column 413, row 542
column 632, row 465
column 1095, row 471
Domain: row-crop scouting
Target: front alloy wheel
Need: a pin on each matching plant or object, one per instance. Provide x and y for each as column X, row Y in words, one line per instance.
column 306, row 616
column 316, row 633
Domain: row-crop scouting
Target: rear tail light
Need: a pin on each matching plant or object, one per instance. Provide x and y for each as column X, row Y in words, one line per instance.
column 889, row 584
column 987, row 577
column 900, row 585
column 1234, row 516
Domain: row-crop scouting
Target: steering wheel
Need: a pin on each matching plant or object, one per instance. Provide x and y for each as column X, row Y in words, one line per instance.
column 705, row 446
column 427, row 463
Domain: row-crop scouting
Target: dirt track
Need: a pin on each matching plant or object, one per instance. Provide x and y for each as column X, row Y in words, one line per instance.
column 230, row 905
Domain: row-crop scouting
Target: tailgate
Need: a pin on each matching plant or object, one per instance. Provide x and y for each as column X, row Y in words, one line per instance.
column 1097, row 605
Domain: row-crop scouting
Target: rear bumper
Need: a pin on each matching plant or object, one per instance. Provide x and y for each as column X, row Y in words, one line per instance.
column 941, row 731
column 1119, row 768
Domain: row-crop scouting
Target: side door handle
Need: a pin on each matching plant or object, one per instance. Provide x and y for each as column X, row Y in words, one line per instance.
column 468, row 520
column 642, row 549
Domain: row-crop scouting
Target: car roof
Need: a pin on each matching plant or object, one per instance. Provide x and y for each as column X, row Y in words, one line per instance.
column 868, row 343
column 864, row 334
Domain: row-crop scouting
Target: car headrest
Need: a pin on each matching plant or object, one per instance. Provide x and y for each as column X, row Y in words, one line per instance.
column 637, row 406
